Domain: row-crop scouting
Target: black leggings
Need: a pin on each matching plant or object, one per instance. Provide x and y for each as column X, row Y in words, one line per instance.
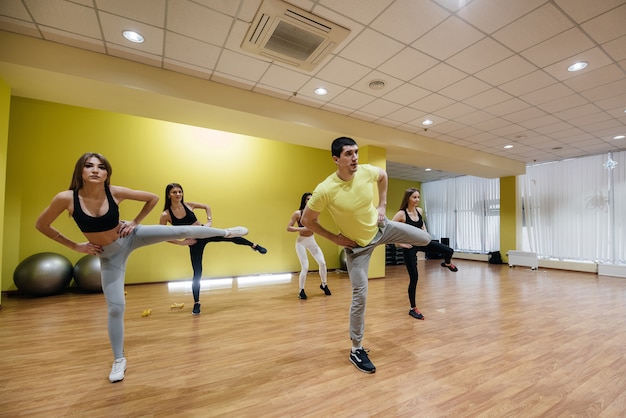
column 197, row 250
column 410, row 261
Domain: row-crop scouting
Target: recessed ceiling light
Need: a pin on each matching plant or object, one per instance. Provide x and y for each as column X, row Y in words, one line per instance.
column 508, row 146
column 619, row 137
column 133, row 36
column 577, row 66
column 428, row 169
column 320, row 91
column 427, row 122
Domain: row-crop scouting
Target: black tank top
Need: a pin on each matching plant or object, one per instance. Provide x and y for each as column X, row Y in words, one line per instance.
column 410, row 221
column 188, row 219
column 102, row 223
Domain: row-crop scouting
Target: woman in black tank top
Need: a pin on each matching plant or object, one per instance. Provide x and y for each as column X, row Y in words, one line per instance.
column 93, row 202
column 178, row 212
column 411, row 214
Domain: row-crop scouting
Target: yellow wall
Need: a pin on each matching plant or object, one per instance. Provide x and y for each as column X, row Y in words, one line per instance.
column 5, row 100
column 396, row 193
column 375, row 156
column 250, row 181
column 508, row 217
column 247, row 181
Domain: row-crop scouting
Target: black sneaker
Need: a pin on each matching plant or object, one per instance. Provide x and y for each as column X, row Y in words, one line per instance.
column 302, row 295
column 325, row 288
column 260, row 249
column 196, row 309
column 415, row 313
column 361, row 361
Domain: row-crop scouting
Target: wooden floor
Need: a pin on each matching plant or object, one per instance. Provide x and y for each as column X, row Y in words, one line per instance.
column 496, row 342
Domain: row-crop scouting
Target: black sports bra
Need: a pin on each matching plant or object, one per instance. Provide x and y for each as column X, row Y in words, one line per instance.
column 102, row 223
column 188, row 219
column 419, row 223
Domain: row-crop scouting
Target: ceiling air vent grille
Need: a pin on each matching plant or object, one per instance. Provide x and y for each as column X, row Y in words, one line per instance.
column 288, row 34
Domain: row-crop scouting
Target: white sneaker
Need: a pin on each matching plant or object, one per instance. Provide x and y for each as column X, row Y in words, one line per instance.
column 118, row 369
column 236, row 231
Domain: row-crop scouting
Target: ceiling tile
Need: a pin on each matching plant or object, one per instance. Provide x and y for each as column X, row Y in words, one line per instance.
column 438, row 77
column 371, row 48
column 465, row 88
column 558, row 48
column 547, row 94
column 241, row 66
column 525, row 84
column 450, row 37
column 406, row 20
column 14, row 9
column 583, row 10
column 190, row 19
column 343, row 72
column 481, row 55
column 608, row 26
column 283, row 78
column 353, row 99
column 487, row 98
column 407, row 64
column 432, row 103
column 66, row 16
column 380, row 107
column 491, row 15
column 536, row 27
column 151, row 12
column 191, row 51
column 507, row 70
column 363, row 11
column 406, row 94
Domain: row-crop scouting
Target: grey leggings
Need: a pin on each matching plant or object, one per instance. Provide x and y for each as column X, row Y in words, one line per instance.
column 113, row 268
column 358, row 260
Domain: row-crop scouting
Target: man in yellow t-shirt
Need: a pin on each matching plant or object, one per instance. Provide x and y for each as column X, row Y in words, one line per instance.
column 348, row 195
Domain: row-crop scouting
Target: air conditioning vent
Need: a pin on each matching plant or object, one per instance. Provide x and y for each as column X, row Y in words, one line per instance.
column 291, row 35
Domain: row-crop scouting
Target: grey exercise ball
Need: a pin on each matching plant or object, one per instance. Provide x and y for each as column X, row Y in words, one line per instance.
column 43, row 274
column 87, row 274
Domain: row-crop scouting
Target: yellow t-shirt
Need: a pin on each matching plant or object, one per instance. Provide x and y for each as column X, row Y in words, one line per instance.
column 350, row 203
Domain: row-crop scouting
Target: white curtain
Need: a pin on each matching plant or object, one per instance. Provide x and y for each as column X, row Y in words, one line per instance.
column 464, row 209
column 618, row 215
column 571, row 208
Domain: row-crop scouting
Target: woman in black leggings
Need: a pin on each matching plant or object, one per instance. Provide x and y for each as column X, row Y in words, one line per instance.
column 178, row 212
column 411, row 214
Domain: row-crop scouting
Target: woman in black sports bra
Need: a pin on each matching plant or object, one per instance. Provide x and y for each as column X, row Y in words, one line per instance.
column 178, row 212
column 411, row 214
column 93, row 203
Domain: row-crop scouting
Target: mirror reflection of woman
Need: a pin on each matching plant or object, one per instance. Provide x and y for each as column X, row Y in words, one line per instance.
column 411, row 213
column 178, row 212
column 306, row 241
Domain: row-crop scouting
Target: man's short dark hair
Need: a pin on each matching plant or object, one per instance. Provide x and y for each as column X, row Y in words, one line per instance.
column 339, row 143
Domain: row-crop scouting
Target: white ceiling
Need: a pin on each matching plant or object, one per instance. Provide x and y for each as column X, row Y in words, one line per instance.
column 489, row 73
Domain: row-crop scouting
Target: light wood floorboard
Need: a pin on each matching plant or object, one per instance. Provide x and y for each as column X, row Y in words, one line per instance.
column 496, row 342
